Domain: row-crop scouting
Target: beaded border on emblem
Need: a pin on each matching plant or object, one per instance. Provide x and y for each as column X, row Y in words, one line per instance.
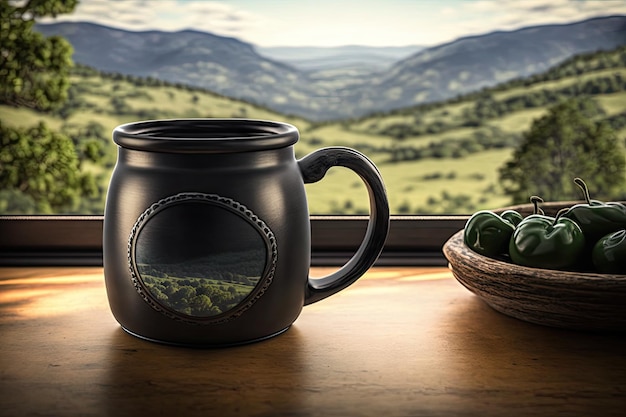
column 233, row 206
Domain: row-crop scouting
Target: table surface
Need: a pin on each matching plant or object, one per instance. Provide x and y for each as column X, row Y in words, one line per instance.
column 398, row 342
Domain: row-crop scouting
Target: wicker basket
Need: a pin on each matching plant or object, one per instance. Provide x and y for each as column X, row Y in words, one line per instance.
column 574, row 300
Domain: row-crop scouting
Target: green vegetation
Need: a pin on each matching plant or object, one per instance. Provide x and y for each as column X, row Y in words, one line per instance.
column 205, row 286
column 40, row 168
column 564, row 144
column 199, row 297
column 441, row 157
column 34, row 68
column 40, row 171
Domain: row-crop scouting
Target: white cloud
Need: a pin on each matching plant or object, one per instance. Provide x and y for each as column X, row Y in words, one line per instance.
column 169, row 15
column 514, row 14
column 448, row 11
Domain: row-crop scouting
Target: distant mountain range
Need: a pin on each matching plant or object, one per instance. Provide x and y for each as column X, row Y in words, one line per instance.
column 332, row 89
column 348, row 58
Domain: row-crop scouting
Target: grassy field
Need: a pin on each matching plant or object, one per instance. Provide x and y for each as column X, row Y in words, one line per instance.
column 448, row 184
column 429, row 186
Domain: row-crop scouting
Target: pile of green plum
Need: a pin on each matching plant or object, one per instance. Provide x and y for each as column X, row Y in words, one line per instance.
column 586, row 237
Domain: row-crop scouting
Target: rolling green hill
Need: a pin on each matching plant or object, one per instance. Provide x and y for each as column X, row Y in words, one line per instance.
column 444, row 157
column 436, row 158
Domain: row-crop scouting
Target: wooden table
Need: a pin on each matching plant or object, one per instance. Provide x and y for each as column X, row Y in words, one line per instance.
column 399, row 342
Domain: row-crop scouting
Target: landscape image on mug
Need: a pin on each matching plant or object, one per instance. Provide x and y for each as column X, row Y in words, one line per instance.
column 462, row 105
column 194, row 267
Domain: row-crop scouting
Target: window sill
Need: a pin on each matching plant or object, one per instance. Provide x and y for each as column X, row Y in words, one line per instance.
column 77, row 240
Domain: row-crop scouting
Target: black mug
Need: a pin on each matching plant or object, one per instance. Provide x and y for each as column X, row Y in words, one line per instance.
column 207, row 230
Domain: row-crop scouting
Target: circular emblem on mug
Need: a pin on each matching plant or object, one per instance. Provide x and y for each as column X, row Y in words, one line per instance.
column 201, row 258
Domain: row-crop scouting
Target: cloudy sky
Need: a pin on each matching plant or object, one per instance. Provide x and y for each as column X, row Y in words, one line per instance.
column 340, row 22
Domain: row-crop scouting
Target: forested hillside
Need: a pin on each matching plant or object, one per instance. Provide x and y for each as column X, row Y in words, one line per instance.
column 437, row 158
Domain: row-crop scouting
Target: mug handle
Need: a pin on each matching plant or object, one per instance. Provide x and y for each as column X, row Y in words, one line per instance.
column 313, row 168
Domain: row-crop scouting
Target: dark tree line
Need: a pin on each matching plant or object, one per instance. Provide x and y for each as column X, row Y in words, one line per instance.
column 194, row 296
column 486, row 107
column 481, row 140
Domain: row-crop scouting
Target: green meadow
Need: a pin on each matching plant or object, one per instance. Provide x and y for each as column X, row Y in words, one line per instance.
column 434, row 158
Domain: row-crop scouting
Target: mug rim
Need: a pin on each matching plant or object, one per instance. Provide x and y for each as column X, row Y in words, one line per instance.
column 205, row 135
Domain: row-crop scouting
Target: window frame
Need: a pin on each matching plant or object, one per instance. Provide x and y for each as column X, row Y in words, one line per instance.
column 76, row 240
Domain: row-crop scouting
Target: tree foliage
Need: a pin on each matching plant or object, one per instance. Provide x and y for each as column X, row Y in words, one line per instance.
column 33, row 69
column 43, row 166
column 198, row 296
column 564, row 144
column 39, row 168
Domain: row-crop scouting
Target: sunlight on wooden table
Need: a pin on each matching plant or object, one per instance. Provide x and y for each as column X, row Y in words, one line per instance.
column 398, row 342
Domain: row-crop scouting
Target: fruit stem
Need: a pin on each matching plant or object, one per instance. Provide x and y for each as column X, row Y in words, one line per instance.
column 536, row 200
column 583, row 187
column 559, row 214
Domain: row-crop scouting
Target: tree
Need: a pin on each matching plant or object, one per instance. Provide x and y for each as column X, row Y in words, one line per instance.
column 43, row 166
column 564, row 144
column 39, row 169
column 34, row 70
